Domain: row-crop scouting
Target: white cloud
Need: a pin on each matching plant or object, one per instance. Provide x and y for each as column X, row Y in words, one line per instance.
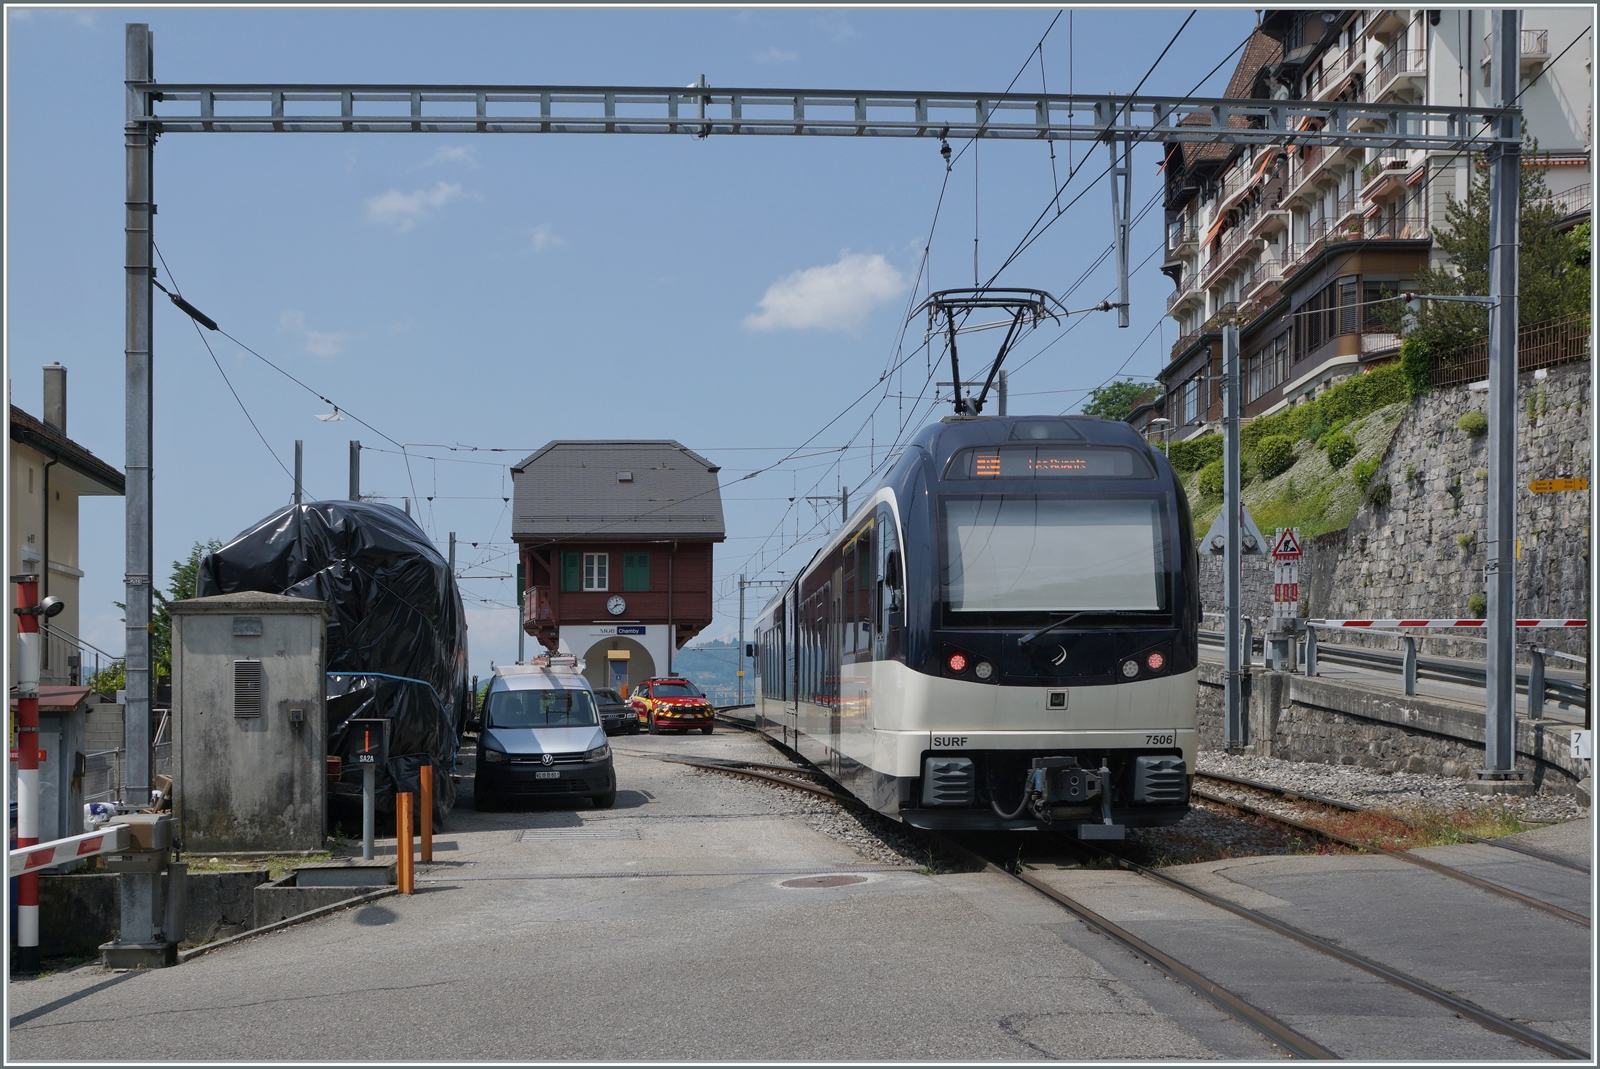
column 776, row 55
column 465, row 154
column 836, row 296
column 315, row 342
column 542, row 237
column 402, row 210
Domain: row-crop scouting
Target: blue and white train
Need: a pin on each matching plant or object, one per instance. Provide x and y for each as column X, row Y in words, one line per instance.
column 1003, row 636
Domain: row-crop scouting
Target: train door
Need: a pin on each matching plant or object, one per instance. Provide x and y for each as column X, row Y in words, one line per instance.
column 835, row 681
column 888, row 619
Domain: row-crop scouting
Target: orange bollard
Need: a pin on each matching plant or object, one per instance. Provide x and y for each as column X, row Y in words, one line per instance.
column 426, row 815
column 405, row 873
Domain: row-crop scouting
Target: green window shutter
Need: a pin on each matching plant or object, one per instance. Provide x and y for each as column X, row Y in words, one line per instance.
column 571, row 571
column 636, row 571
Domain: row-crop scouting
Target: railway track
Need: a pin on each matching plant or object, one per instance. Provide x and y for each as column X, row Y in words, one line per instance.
column 1334, row 803
column 1264, row 1023
column 1365, row 846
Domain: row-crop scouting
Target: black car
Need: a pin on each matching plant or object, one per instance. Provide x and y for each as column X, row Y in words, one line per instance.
column 616, row 715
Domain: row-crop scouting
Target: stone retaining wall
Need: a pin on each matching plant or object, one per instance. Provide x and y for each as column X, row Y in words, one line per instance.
column 1408, row 559
column 1300, row 719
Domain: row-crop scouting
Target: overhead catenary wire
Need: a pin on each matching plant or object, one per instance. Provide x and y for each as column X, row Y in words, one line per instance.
column 195, row 317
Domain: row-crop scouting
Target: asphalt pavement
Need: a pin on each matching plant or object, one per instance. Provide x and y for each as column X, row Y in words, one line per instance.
column 530, row 938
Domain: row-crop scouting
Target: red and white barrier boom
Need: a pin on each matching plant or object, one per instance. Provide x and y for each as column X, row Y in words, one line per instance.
column 27, row 744
column 1442, row 623
column 105, row 840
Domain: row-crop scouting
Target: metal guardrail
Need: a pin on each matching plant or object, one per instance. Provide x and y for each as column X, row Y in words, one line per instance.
column 1411, row 667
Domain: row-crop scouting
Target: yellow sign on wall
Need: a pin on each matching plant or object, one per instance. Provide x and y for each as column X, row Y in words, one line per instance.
column 1556, row 486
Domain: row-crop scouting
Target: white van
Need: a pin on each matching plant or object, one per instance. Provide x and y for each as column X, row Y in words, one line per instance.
column 540, row 736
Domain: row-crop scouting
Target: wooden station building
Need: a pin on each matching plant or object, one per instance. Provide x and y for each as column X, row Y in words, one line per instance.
column 615, row 548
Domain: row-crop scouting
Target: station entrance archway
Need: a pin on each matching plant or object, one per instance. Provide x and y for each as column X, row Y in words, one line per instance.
column 618, row 661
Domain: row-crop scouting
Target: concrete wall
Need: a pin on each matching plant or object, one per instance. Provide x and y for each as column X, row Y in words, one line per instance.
column 1405, row 560
column 249, row 784
column 78, row 913
column 1300, row 719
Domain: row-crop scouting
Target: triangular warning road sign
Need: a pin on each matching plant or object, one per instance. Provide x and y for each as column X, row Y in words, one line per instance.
column 1216, row 539
column 1288, row 546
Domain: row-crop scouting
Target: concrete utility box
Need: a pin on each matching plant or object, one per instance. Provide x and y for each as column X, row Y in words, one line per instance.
column 250, row 730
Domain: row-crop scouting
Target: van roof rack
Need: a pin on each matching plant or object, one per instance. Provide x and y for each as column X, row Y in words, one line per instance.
column 542, row 663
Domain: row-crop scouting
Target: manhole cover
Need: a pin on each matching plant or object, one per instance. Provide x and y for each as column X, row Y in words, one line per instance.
column 840, row 880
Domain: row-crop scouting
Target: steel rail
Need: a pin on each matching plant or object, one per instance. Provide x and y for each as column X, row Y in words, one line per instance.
column 1470, row 1010
column 1298, row 1045
column 1479, row 882
column 1263, row 1022
column 1270, row 1027
column 1334, row 803
column 751, row 773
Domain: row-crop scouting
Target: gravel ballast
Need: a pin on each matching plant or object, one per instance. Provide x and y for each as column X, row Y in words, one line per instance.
column 1385, row 790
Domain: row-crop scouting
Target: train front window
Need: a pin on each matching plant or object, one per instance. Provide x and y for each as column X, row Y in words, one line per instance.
column 1010, row 553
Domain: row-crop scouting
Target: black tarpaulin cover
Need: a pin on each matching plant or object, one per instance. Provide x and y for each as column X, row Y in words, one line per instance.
column 397, row 635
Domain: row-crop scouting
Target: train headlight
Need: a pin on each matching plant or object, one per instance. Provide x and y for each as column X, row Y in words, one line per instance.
column 1155, row 662
column 1130, row 668
column 957, row 662
column 983, row 670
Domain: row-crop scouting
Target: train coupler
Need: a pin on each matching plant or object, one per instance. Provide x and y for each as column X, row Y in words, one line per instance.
column 1107, row 828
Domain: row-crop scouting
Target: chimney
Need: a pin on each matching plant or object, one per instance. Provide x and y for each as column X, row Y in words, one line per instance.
column 55, row 397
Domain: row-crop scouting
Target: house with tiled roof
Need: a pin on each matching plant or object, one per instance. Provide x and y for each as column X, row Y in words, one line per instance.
column 615, row 542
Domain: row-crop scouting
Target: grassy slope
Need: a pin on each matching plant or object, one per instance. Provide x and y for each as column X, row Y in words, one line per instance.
column 1311, row 495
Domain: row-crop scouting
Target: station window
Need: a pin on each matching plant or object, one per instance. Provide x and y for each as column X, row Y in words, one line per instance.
column 596, row 569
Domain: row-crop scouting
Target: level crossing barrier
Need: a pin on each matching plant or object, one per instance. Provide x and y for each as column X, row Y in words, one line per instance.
column 106, row 840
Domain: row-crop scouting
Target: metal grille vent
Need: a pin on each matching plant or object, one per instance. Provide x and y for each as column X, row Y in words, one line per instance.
column 247, row 687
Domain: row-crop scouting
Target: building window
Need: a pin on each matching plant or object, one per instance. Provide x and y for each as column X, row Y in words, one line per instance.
column 1191, row 399
column 635, row 571
column 1253, row 384
column 595, row 571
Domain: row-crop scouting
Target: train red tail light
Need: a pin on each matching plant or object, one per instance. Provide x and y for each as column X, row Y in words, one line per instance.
column 1155, row 662
column 957, row 663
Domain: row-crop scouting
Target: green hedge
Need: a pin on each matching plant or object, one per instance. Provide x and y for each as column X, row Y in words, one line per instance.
column 1275, row 455
column 1351, row 399
column 1194, row 453
column 1210, row 480
column 1341, row 447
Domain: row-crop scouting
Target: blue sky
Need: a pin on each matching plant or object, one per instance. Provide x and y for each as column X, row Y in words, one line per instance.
column 503, row 291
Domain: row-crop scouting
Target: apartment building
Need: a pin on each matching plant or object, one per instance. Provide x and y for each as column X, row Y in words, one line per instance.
column 1293, row 245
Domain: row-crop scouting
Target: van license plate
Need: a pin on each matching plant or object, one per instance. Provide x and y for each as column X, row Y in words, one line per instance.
column 547, row 775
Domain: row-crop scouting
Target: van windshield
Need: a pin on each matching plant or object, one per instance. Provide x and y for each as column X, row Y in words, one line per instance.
column 541, row 709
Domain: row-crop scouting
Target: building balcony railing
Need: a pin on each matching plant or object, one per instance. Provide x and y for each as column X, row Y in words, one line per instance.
column 1394, row 64
column 1266, row 274
column 536, row 612
column 1396, row 228
column 1181, row 237
column 1184, row 342
column 1535, row 47
column 1572, row 201
column 1183, row 294
column 1223, row 316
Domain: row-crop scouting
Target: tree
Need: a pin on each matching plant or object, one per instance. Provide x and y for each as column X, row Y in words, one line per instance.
column 179, row 588
column 1552, row 277
column 1115, row 400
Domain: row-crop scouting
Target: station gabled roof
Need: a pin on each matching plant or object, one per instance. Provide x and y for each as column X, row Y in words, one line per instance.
column 620, row 490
